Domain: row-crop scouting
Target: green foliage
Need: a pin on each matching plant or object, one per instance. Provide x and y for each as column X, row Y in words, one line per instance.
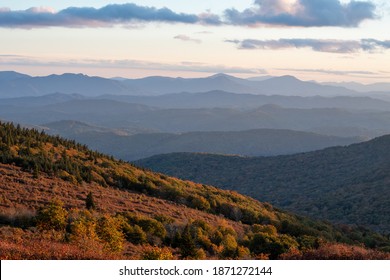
column 274, row 246
column 135, row 234
column 187, row 244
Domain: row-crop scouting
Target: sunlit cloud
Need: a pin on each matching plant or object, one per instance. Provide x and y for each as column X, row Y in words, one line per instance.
column 303, row 13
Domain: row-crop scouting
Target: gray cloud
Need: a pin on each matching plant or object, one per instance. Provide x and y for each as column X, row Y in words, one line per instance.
column 333, row 72
column 332, row 46
column 91, row 17
column 184, row 66
column 187, row 38
column 304, row 13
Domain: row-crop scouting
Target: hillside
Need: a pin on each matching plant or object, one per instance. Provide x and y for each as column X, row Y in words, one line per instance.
column 260, row 142
column 60, row 200
column 348, row 185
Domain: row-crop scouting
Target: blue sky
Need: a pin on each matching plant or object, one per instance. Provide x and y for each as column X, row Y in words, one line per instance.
column 325, row 40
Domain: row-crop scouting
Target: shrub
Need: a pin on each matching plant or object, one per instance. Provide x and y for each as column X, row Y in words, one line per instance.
column 83, row 227
column 108, row 230
column 156, row 253
column 264, row 243
column 230, row 245
column 53, row 216
column 135, row 234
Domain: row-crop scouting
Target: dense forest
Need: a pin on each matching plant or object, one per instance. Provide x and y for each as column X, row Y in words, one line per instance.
column 60, row 200
column 346, row 185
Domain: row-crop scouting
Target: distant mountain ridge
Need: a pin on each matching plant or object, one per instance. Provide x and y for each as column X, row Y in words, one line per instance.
column 248, row 143
column 223, row 99
column 16, row 85
column 132, row 116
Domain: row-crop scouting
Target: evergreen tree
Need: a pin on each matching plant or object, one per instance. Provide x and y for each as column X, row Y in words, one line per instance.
column 90, row 202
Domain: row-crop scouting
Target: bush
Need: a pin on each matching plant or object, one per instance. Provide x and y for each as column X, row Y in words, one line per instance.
column 274, row 246
column 52, row 217
column 83, row 227
column 109, row 230
column 157, row 253
column 135, row 234
column 230, row 245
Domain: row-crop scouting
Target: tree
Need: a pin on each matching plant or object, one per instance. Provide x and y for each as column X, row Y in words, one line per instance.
column 90, row 202
column 109, row 230
column 187, row 244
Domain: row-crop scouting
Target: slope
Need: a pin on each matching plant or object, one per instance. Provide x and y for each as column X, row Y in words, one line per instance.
column 343, row 184
column 134, row 213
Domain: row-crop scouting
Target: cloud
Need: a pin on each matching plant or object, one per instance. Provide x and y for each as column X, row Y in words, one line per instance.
column 128, row 64
column 319, row 45
column 333, row 72
column 303, row 13
column 187, row 38
column 91, row 17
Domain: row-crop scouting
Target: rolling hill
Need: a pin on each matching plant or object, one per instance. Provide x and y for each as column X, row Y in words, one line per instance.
column 348, row 185
column 60, row 200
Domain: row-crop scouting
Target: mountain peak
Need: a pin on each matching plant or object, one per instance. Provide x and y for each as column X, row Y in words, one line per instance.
column 288, row 78
column 11, row 75
column 221, row 75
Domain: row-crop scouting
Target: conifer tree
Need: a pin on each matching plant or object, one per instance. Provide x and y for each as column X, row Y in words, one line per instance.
column 90, row 202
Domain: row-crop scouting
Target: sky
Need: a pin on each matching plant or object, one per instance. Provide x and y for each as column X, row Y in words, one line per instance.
column 323, row 40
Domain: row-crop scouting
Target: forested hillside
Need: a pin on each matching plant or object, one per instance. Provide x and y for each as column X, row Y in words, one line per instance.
column 60, row 200
column 349, row 185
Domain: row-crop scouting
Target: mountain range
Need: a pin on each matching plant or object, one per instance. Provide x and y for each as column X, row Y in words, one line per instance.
column 13, row 84
column 138, row 117
column 141, row 145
